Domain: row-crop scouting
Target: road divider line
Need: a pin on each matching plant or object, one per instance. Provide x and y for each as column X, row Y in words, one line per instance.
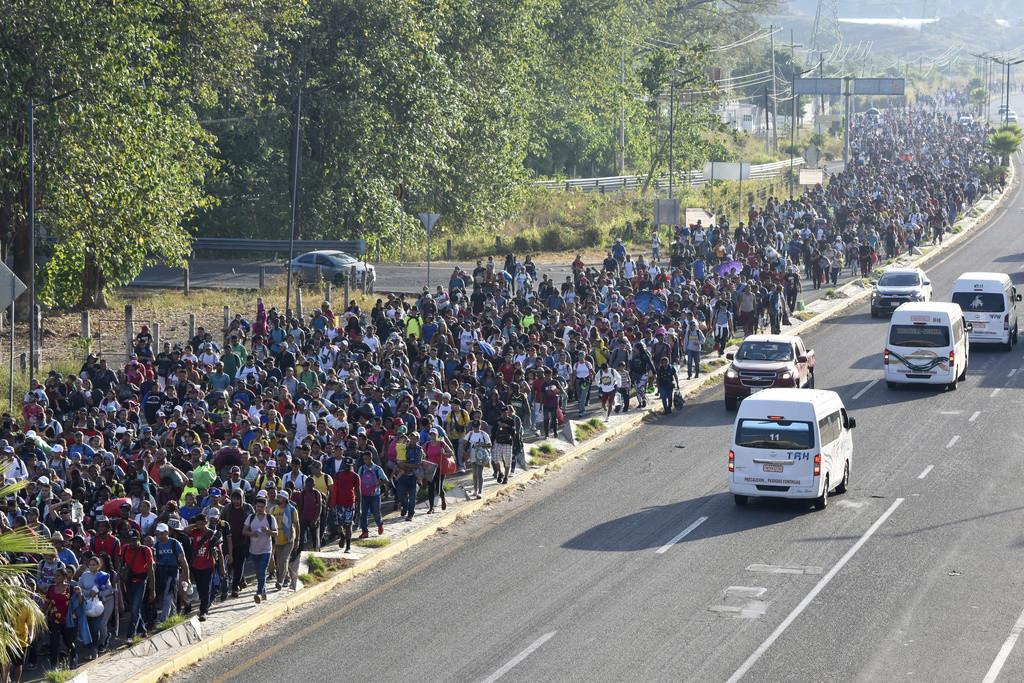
column 818, row 587
column 974, row 416
column 512, row 663
column 995, row 392
column 865, row 389
column 1012, row 372
column 681, row 535
column 926, row 471
column 1005, row 650
column 953, row 441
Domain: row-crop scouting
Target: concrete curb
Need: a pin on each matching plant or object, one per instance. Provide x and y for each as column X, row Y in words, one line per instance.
column 208, row 646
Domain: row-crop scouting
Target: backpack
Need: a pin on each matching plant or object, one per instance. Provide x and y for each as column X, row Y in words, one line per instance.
column 368, row 481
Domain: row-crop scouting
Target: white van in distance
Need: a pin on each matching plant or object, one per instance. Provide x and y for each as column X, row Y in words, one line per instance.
column 926, row 344
column 791, row 443
column 989, row 302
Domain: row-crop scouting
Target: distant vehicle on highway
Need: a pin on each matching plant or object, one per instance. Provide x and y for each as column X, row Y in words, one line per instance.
column 333, row 265
column 791, row 443
column 966, row 120
column 1011, row 116
column 764, row 361
column 898, row 286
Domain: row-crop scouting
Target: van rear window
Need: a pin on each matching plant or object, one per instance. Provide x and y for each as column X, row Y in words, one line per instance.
column 753, row 433
column 920, row 336
column 979, row 302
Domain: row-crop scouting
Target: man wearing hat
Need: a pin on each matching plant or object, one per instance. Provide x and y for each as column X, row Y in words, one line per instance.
column 170, row 562
column 206, row 548
column 139, row 580
column 287, row 540
column 343, row 500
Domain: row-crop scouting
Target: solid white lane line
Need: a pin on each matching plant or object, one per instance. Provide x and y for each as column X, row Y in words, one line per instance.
column 953, row 441
column 995, row 392
column 974, row 417
column 820, row 586
column 519, row 657
column 1012, row 372
column 864, row 390
column 926, row 471
column 1004, row 651
column 681, row 535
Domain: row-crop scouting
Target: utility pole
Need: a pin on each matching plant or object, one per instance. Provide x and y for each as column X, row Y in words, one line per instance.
column 622, row 111
column 821, row 74
column 31, row 245
column 295, row 199
column 767, row 138
column 846, row 127
column 792, row 132
column 671, row 132
column 775, row 91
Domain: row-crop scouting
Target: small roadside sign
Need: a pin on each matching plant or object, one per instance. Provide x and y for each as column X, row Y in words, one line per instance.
column 10, row 286
column 429, row 220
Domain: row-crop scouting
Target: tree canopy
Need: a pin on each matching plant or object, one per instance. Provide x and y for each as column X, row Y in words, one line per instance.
column 178, row 117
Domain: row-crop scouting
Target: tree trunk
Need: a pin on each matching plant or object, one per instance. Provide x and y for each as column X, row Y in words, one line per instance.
column 93, row 283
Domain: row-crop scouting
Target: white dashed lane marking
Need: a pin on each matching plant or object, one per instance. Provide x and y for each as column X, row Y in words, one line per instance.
column 974, row 417
column 953, row 441
column 926, row 471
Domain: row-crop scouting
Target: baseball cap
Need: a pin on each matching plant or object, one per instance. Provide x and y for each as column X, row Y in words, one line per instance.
column 272, row 463
column 215, row 491
column 57, row 448
column 43, row 481
column 213, row 512
column 236, row 468
column 262, row 494
column 161, row 527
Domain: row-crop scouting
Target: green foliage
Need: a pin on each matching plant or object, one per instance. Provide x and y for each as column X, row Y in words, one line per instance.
column 179, row 118
column 1004, row 142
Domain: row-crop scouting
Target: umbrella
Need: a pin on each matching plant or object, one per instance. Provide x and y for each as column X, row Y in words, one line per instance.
column 728, row 268
column 646, row 302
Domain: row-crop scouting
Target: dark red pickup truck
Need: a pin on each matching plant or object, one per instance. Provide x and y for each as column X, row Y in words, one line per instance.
column 767, row 360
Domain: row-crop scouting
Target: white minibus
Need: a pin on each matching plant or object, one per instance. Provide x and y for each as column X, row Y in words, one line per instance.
column 791, row 443
column 989, row 302
column 926, row 344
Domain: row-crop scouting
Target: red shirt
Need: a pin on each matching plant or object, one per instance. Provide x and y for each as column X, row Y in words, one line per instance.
column 202, row 548
column 138, row 560
column 59, row 601
column 108, row 545
column 346, row 486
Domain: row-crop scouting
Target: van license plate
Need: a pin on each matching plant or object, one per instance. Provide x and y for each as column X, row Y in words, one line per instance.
column 772, row 467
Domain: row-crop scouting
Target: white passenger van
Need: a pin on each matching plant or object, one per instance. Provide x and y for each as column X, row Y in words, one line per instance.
column 791, row 443
column 989, row 302
column 926, row 344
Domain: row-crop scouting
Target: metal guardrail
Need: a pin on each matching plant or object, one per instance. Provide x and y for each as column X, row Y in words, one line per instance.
column 355, row 247
column 634, row 182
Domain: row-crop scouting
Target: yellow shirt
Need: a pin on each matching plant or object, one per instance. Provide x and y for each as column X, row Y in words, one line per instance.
column 322, row 483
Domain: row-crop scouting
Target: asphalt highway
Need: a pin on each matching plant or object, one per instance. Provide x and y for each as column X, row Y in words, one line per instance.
column 635, row 564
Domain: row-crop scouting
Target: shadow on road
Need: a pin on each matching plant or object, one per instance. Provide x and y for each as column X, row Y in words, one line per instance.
column 653, row 527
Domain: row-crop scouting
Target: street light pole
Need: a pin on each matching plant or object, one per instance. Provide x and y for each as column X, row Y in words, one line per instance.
column 294, row 201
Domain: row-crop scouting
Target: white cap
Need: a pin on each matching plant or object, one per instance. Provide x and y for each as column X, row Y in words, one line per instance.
column 43, row 481
column 57, row 448
column 173, row 425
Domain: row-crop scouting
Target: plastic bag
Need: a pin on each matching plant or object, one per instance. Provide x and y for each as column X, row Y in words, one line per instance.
column 204, row 475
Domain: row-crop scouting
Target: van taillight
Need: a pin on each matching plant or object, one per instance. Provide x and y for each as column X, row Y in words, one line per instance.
column 885, row 357
column 732, row 461
column 817, row 465
column 1006, row 321
column 952, row 359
